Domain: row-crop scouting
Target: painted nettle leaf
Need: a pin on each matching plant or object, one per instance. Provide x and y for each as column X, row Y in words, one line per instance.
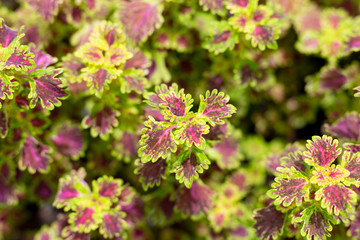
column 315, row 189
column 179, row 139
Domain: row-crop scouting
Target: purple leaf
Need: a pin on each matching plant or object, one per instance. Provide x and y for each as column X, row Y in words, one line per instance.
column 84, row 219
column 34, row 156
column 239, row 3
column 47, row 8
column 71, row 187
column 239, row 180
column 316, row 223
column 135, row 211
column 112, row 225
column 150, row 174
column 194, row 201
column 188, row 166
column 354, row 148
column 157, row 140
column 332, row 79
column 217, row 132
column 20, row 59
column 346, row 127
column 269, row 222
column 353, row 44
column 69, row 141
column 354, row 230
column 287, row 191
column 6, row 35
column 98, row 81
column 274, row 160
column 4, row 123
column 336, row 197
column 134, row 82
column 102, row 122
column 294, row 160
column 263, row 36
column 41, row 59
column 127, row 146
column 140, row 19
column 48, row 89
column 214, row 107
column 227, row 153
column 214, row 5
column 321, row 151
column 107, row 187
column 138, row 61
column 191, row 133
column 351, row 162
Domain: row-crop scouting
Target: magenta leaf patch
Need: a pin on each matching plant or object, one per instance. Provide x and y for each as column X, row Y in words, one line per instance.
column 295, row 160
column 20, row 59
column 107, row 187
column 151, row 173
column 269, row 222
column 214, row 107
column 68, row 234
column 134, row 81
column 157, row 140
column 48, row 89
column 316, row 223
column 98, row 81
column 353, row 44
column 325, row 176
column 321, row 151
column 71, row 187
column 140, row 19
column 346, row 127
column 34, row 156
column 337, row 198
column 287, row 191
column 84, row 220
column 69, row 141
column 6, row 35
column 239, row 3
column 193, row 201
column 226, row 153
column 41, row 59
column 191, row 133
column 354, row 230
column 188, row 166
column 332, row 79
column 112, row 225
column 102, row 122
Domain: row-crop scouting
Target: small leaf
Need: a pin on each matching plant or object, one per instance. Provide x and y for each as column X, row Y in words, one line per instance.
column 41, row 59
column 68, row 234
column 47, row 8
column 321, row 151
column 157, row 140
column 316, row 223
column 351, row 162
column 226, row 153
column 353, row 45
column 141, row 18
column 191, row 132
column 99, row 80
column 214, row 107
column 294, row 160
column 332, row 79
column 269, row 223
column 6, row 35
column 107, row 187
column 336, row 197
column 20, row 59
column 263, row 36
column 287, row 191
column 7, row 85
column 71, row 188
column 329, row 175
column 188, row 166
column 112, row 225
column 221, row 38
column 193, row 201
column 134, row 81
column 213, row 5
column 354, row 230
column 4, row 123
column 48, row 89
column 69, row 141
column 346, row 127
column 150, row 174
column 102, row 122
column 34, row 156
column 84, row 219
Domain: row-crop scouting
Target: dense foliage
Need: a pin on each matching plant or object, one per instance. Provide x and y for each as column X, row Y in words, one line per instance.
column 179, row 119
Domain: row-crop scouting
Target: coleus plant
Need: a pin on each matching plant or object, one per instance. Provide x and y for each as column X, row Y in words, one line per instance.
column 175, row 140
column 312, row 192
